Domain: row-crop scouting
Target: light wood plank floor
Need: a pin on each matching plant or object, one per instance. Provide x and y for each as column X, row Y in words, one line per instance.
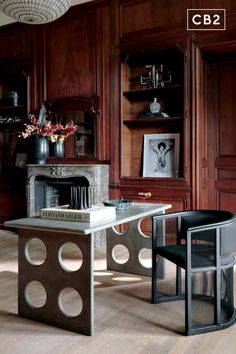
column 125, row 320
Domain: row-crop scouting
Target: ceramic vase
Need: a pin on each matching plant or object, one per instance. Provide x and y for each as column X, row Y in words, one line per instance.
column 39, row 149
column 57, row 149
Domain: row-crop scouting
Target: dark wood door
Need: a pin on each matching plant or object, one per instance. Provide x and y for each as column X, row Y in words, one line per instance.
column 221, row 132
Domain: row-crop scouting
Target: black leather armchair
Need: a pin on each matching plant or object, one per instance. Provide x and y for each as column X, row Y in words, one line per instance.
column 202, row 252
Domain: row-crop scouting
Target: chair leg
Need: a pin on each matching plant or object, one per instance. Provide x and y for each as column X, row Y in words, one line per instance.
column 217, row 302
column 188, row 303
column 188, row 291
column 217, row 279
column 178, row 281
column 154, row 277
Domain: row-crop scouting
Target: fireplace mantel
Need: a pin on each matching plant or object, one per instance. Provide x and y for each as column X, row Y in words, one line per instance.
column 97, row 177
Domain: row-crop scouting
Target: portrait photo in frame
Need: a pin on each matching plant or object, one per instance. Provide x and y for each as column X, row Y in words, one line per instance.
column 161, row 155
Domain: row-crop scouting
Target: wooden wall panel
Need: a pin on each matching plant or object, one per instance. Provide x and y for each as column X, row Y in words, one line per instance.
column 227, row 174
column 221, row 40
column 227, row 109
column 102, row 84
column 36, row 74
column 229, row 5
column 71, row 57
column 145, row 14
column 227, row 200
column 13, row 42
column 131, row 22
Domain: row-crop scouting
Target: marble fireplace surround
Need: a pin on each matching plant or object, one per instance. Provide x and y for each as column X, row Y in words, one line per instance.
column 96, row 175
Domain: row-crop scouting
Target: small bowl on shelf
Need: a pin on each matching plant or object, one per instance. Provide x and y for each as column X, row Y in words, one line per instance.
column 118, row 203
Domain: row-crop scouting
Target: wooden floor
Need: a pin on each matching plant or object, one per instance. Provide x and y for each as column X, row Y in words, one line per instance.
column 125, row 320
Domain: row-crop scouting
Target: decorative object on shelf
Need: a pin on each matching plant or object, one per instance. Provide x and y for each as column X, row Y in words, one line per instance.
column 39, row 149
column 14, row 96
column 155, row 111
column 118, row 203
column 155, row 106
column 154, row 115
column 165, row 115
column 155, row 76
column 80, row 145
column 161, row 155
column 56, row 149
column 35, row 11
column 161, row 79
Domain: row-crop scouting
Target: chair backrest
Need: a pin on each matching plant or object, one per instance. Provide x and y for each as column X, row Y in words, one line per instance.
column 228, row 237
column 224, row 219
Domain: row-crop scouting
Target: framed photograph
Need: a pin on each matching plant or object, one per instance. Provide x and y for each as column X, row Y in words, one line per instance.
column 161, row 155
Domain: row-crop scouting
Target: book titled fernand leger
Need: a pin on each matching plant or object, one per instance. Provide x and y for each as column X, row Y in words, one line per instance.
column 89, row 215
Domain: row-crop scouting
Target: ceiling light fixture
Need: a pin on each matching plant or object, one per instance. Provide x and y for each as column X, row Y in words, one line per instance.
column 35, row 11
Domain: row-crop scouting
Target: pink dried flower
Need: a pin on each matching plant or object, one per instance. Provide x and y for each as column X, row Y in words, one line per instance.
column 55, row 132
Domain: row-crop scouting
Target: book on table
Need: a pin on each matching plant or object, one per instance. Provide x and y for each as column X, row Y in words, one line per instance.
column 94, row 214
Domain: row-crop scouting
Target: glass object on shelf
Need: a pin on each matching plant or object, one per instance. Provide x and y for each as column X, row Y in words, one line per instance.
column 155, row 106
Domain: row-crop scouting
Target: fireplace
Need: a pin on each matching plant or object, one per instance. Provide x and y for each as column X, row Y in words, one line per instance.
column 49, row 186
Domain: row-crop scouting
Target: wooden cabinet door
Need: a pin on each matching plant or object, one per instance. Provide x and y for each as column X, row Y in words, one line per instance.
column 221, row 126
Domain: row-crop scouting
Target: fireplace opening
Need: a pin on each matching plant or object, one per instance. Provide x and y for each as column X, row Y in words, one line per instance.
column 52, row 192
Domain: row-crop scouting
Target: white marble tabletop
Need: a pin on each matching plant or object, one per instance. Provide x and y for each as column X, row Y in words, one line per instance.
column 135, row 211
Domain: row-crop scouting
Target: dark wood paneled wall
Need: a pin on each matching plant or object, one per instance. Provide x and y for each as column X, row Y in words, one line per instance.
column 70, row 57
column 14, row 42
column 148, row 14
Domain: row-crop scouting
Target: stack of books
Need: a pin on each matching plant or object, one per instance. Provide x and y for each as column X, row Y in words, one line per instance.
column 94, row 214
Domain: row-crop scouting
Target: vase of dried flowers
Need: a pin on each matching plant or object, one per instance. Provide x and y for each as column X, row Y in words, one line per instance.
column 57, row 149
column 40, row 149
column 42, row 131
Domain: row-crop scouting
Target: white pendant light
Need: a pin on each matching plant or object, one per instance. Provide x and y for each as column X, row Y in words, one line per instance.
column 35, row 11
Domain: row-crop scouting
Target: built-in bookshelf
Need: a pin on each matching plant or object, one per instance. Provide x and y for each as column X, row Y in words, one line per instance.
column 13, row 114
column 147, row 76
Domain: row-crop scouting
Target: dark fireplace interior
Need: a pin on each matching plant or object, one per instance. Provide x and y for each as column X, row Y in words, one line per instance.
column 51, row 192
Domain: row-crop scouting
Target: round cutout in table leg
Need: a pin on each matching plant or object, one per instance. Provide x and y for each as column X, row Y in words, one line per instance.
column 35, row 251
column 121, row 229
column 143, row 226
column 120, row 254
column 70, row 302
column 145, row 257
column 70, row 257
column 35, row 294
